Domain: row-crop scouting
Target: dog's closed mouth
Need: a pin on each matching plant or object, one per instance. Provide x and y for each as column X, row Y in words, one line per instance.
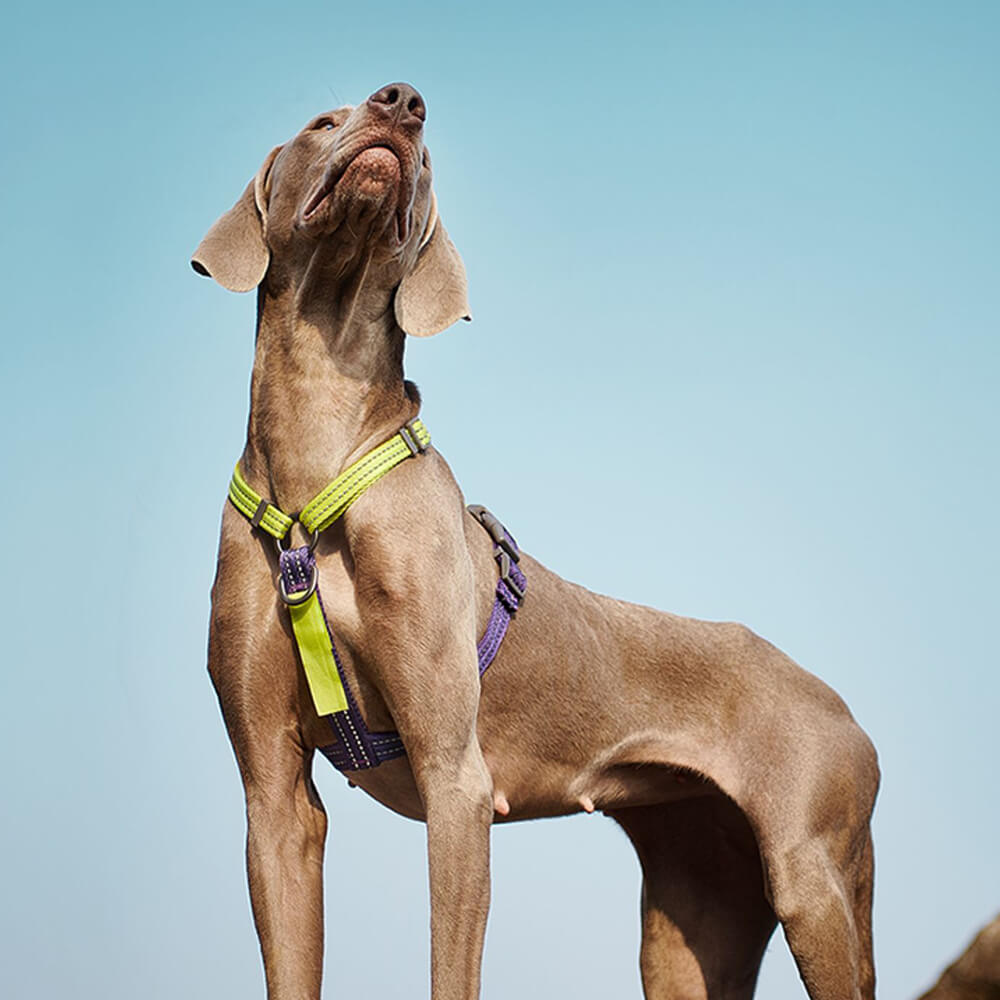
column 373, row 171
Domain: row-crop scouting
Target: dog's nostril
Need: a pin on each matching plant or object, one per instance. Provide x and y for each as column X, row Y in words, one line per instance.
column 416, row 107
column 387, row 95
column 401, row 101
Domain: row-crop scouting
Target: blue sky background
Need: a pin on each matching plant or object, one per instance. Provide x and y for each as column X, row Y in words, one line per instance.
column 751, row 248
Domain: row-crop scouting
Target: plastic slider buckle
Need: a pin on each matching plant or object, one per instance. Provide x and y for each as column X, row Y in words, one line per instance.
column 505, row 567
column 410, row 438
column 258, row 514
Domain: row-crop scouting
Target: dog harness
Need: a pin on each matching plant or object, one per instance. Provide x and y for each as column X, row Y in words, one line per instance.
column 357, row 748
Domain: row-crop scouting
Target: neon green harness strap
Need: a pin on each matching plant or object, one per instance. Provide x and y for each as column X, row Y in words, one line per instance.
column 308, row 621
column 331, row 502
column 260, row 512
column 316, row 652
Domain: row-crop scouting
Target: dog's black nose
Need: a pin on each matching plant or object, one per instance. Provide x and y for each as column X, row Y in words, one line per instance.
column 399, row 102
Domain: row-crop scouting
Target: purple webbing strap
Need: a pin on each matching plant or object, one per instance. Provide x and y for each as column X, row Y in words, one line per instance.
column 356, row 748
column 505, row 605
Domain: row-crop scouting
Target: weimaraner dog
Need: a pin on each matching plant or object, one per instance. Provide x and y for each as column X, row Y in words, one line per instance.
column 975, row 974
column 743, row 782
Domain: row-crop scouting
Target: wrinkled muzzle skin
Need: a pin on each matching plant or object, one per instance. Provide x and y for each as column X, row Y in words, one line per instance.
column 352, row 190
column 340, row 225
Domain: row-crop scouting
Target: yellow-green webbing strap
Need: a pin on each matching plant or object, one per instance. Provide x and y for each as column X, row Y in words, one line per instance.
column 308, row 621
column 316, row 651
column 260, row 512
column 331, row 503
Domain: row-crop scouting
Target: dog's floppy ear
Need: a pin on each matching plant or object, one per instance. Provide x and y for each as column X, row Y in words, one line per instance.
column 234, row 250
column 435, row 293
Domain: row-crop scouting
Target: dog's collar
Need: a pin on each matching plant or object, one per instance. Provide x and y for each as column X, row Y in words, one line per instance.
column 333, row 500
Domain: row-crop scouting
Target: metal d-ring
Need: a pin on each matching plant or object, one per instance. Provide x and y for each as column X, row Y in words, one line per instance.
column 300, row 596
column 310, row 545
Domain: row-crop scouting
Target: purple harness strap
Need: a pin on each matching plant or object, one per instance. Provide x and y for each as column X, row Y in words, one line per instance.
column 356, row 748
column 510, row 587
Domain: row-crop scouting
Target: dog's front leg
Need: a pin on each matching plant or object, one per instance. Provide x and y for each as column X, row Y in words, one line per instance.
column 286, row 832
column 286, row 822
column 418, row 609
column 457, row 794
column 433, row 694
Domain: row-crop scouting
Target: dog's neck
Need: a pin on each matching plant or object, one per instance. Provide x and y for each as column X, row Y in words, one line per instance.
column 327, row 384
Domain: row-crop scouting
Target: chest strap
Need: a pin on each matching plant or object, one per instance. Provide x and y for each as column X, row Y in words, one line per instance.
column 333, row 500
column 356, row 747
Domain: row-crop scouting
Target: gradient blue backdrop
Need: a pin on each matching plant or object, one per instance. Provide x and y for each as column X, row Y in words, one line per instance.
column 744, row 253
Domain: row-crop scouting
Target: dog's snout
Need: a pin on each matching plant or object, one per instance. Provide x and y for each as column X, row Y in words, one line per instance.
column 399, row 102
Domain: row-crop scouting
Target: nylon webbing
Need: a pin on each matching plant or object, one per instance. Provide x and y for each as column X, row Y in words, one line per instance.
column 331, row 503
column 268, row 517
column 333, row 500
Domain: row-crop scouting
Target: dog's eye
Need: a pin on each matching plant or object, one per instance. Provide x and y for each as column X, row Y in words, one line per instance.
column 325, row 123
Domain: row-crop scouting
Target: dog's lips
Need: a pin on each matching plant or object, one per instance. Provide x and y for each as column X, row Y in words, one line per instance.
column 371, row 173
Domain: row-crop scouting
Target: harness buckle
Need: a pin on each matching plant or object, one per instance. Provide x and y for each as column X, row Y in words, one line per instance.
column 501, row 537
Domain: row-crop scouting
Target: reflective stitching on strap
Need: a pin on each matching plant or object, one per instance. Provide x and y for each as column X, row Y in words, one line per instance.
column 334, row 499
column 251, row 506
column 408, row 442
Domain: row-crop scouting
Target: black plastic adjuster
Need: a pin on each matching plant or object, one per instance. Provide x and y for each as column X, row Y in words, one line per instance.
column 411, row 439
column 258, row 514
column 505, row 564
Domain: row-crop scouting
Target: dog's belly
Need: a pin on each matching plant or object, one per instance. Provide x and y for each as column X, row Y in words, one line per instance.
column 524, row 790
column 392, row 785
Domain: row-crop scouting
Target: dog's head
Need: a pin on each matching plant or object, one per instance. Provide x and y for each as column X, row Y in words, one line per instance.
column 351, row 192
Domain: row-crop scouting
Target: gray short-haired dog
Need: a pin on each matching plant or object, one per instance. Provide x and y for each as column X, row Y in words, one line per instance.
column 742, row 780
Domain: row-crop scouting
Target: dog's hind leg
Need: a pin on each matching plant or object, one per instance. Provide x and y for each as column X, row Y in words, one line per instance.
column 705, row 918
column 816, row 846
column 823, row 896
